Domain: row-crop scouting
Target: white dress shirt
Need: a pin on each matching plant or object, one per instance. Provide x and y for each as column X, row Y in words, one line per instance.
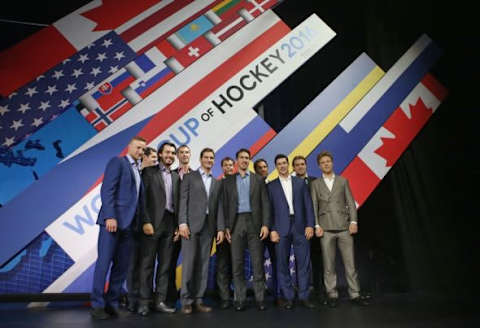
column 329, row 181
column 287, row 190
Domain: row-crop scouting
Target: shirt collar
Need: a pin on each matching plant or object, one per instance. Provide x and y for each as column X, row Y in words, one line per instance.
column 288, row 178
column 247, row 174
column 203, row 173
column 163, row 167
column 132, row 161
column 325, row 177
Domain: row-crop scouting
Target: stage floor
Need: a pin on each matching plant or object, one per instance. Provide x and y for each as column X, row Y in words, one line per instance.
column 404, row 310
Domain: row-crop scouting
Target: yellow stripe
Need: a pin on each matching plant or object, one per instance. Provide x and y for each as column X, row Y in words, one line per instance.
column 335, row 117
column 178, row 277
column 221, row 4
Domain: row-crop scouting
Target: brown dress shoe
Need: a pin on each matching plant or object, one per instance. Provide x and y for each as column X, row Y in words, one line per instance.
column 186, row 309
column 203, row 308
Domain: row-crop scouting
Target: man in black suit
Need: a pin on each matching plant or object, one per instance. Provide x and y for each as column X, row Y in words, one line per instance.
column 261, row 168
column 224, row 257
column 247, row 215
column 183, row 156
column 299, row 164
column 197, row 225
column 159, row 229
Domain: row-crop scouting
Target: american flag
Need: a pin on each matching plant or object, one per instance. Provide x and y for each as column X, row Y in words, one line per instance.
column 34, row 105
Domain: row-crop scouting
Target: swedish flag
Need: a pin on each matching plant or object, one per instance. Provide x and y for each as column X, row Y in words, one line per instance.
column 194, row 29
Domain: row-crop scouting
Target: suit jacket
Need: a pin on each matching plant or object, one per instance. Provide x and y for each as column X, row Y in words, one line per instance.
column 258, row 201
column 302, row 206
column 194, row 202
column 119, row 194
column 155, row 196
column 334, row 210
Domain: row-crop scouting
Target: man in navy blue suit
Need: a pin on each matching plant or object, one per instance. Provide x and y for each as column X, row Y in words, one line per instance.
column 119, row 216
column 292, row 224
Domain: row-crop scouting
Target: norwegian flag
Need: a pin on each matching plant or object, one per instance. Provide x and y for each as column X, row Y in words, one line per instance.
column 34, row 105
column 378, row 156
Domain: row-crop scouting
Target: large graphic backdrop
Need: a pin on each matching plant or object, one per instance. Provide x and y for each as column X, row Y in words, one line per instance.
column 185, row 71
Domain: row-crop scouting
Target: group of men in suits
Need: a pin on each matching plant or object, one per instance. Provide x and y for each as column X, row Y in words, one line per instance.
column 149, row 210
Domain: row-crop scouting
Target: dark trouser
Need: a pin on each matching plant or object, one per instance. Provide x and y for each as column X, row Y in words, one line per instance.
column 245, row 235
column 159, row 246
column 172, row 293
column 273, row 262
column 301, row 249
column 133, row 275
column 196, row 255
column 317, row 265
column 224, row 270
column 113, row 248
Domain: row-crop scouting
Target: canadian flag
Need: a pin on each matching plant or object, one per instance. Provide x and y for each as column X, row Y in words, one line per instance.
column 382, row 151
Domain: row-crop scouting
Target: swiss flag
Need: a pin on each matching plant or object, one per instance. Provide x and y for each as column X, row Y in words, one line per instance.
column 32, row 57
column 196, row 49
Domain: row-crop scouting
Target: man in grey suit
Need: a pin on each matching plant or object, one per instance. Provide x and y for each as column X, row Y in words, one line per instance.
column 247, row 217
column 159, row 229
column 197, row 226
column 335, row 222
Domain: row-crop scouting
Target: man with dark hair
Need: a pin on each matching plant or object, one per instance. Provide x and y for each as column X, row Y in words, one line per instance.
column 150, row 157
column 224, row 257
column 261, row 168
column 197, row 225
column 247, row 215
column 122, row 199
column 292, row 220
column 335, row 223
column 159, row 229
column 299, row 165
column 183, row 156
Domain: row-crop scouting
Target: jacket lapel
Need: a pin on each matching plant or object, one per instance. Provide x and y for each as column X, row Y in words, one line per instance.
column 252, row 184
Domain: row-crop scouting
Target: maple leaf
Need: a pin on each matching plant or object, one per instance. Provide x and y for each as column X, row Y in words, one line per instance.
column 404, row 130
column 113, row 13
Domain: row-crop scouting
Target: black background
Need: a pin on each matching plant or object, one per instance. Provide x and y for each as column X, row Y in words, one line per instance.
column 418, row 229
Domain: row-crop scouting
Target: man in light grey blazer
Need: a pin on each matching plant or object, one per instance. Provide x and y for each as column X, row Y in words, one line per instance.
column 197, row 225
column 335, row 222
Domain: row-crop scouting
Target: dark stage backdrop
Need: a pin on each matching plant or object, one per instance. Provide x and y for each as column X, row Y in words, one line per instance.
column 418, row 230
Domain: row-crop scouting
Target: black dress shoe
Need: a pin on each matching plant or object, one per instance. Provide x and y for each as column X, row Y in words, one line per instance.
column 112, row 311
column 360, row 301
column 308, row 304
column 99, row 314
column 143, row 310
column 332, row 302
column 162, row 307
column 239, row 306
column 225, row 304
column 288, row 305
column 131, row 306
column 261, row 306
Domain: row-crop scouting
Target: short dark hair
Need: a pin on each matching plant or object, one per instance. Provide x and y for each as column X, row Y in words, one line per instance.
column 243, row 150
column 207, row 150
column 149, row 150
column 323, row 154
column 225, row 159
column 257, row 162
column 280, row 156
column 183, row 146
column 138, row 138
column 162, row 146
column 298, row 157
